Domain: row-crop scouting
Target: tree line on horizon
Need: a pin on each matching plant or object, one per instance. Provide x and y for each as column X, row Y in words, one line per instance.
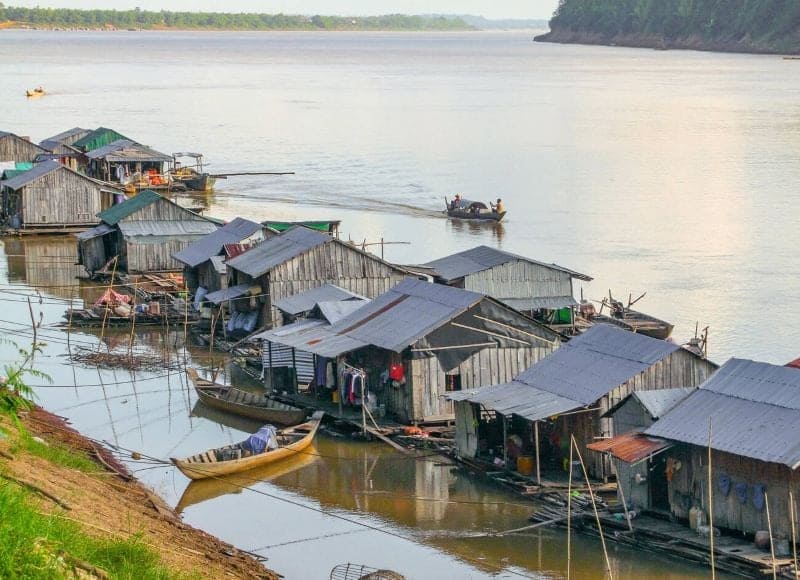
column 766, row 21
column 74, row 18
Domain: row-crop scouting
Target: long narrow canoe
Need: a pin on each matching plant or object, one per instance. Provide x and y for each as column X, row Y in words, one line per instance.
column 243, row 403
column 215, row 462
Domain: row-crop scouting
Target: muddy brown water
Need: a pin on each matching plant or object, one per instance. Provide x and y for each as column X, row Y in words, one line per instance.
column 342, row 501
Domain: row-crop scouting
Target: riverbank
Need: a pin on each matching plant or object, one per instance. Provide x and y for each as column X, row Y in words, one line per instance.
column 76, row 510
column 660, row 42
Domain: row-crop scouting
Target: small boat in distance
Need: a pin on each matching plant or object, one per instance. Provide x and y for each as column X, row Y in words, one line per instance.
column 229, row 459
column 192, row 176
column 243, row 403
column 627, row 318
column 37, row 92
column 465, row 209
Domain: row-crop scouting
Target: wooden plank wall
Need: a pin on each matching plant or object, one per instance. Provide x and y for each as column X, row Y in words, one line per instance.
column 165, row 210
column 428, row 382
column 154, row 257
column 62, row 198
column 520, row 279
column 14, row 148
column 692, row 480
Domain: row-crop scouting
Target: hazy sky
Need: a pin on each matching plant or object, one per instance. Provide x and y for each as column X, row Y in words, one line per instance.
column 487, row 8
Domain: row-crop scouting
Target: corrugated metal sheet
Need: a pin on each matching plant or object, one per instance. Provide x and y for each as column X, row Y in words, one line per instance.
column 658, row 402
column 39, row 170
column 67, row 135
column 130, row 206
column 334, row 311
column 406, row 313
column 754, row 409
column 98, row 138
column 237, row 291
column 519, row 399
column 126, row 151
column 594, row 363
column 313, row 336
column 203, row 249
column 305, row 301
column 451, row 268
column 630, row 447
column 95, row 232
column 547, row 302
column 166, row 228
column 218, row 263
column 277, row 250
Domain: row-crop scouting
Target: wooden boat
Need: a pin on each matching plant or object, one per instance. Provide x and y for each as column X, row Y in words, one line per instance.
column 465, row 209
column 37, row 92
column 192, row 177
column 629, row 319
column 243, row 403
column 214, row 462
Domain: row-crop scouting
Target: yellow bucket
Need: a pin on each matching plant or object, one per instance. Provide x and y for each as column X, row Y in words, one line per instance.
column 525, row 464
column 335, row 396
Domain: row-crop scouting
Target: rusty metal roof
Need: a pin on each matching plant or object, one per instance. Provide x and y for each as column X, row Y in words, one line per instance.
column 631, row 447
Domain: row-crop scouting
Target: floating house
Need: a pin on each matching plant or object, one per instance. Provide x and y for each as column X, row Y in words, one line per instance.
column 748, row 415
column 61, row 149
column 68, row 137
column 302, row 305
column 100, row 137
column 123, row 160
column 567, row 394
column 416, row 343
column 204, row 259
column 53, row 196
column 142, row 233
column 300, row 259
column 14, row 148
column 526, row 285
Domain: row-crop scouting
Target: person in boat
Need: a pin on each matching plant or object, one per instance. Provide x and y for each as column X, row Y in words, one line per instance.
column 498, row 207
column 265, row 439
column 456, row 203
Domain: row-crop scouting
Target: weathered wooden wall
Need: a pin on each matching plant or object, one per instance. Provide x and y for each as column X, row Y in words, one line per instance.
column 689, row 485
column 14, row 148
column 163, row 210
column 209, row 278
column 62, row 197
column 150, row 257
column 92, row 253
column 631, row 416
column 520, row 279
column 422, row 397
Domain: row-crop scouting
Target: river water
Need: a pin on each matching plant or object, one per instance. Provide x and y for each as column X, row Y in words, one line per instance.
column 660, row 171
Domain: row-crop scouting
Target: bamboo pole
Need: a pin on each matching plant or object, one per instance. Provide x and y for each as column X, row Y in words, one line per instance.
column 711, row 506
column 794, row 531
column 106, row 309
column 771, row 542
column 536, row 437
column 569, row 513
column 594, row 507
column 624, row 503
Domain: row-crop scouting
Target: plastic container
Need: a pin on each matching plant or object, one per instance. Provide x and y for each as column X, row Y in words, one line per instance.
column 335, row 396
column 525, row 464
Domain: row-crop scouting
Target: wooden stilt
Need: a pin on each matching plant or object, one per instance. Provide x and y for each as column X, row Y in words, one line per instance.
column 536, row 438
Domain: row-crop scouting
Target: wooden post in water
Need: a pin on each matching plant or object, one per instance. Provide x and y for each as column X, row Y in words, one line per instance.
column 594, row 506
column 794, row 531
column 771, row 542
column 711, row 506
column 536, row 438
column 569, row 514
column 505, row 439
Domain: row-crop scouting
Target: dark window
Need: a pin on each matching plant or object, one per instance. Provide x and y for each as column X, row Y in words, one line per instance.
column 453, row 383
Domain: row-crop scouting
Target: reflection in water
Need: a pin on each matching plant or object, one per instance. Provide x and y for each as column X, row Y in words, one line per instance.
column 479, row 228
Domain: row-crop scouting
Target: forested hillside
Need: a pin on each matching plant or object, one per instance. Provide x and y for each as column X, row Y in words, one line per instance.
column 68, row 18
column 735, row 25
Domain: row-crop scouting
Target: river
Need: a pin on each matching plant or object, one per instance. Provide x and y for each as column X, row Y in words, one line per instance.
column 660, row 171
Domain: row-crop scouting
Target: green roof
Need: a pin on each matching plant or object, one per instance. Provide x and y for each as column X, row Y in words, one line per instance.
column 100, row 137
column 116, row 213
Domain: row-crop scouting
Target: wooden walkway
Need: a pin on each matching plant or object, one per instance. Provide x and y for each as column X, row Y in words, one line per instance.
column 731, row 554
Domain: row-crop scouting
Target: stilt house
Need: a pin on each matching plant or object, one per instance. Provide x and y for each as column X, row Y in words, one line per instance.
column 53, row 196
column 143, row 233
column 748, row 413
column 567, row 394
column 204, row 260
column 122, row 159
column 418, row 342
column 529, row 286
column 15, row 148
column 300, row 259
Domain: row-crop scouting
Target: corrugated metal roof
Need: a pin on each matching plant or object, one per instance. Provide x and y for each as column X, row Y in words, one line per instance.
column 594, row 363
column 237, row 291
column 481, row 258
column 312, row 335
column 754, row 409
column 795, row 364
column 277, row 250
column 128, row 207
column 631, row 447
column 212, row 245
column 658, row 402
column 98, row 138
column 218, row 263
column 517, row 398
column 334, row 311
column 95, row 232
column 305, row 301
column 61, row 137
column 547, row 302
column 125, row 150
column 166, row 228
column 404, row 314
column 39, row 170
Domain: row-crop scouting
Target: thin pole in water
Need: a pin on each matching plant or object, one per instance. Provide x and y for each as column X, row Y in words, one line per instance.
column 711, row 507
column 569, row 514
column 771, row 543
column 794, row 531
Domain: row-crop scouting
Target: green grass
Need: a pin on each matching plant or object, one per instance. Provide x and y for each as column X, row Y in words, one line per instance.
column 31, row 542
column 55, row 453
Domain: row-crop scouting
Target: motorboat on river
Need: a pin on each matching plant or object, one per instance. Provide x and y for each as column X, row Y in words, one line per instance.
column 466, row 209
